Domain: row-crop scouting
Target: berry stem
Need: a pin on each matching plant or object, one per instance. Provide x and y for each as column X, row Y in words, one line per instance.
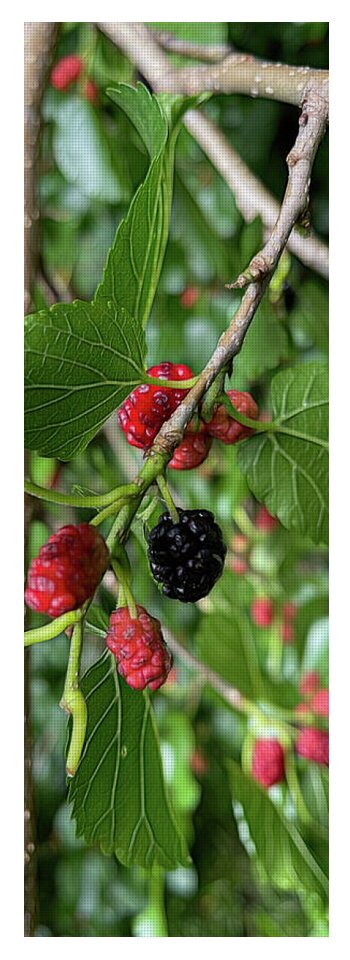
column 168, row 500
column 294, row 787
column 123, row 576
column 108, row 511
column 73, row 701
column 257, row 425
column 174, row 384
column 75, row 500
column 50, row 630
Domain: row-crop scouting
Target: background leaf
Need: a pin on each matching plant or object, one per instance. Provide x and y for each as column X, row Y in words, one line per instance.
column 93, row 357
column 279, row 846
column 118, row 793
column 290, row 474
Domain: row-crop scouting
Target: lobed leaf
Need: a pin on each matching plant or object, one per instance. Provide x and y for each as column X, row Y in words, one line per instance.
column 288, row 472
column 81, row 361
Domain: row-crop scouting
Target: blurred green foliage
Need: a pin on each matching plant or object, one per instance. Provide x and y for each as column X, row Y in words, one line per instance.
column 92, row 161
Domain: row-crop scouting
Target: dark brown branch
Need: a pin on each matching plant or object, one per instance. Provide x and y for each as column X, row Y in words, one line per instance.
column 39, row 41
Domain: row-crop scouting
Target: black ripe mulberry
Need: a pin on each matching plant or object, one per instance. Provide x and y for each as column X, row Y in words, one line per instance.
column 187, row 557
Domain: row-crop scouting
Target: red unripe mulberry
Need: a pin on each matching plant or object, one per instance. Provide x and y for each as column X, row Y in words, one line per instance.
column 287, row 633
column 262, row 611
column 313, row 744
column 309, row 683
column 66, row 71
column 189, row 297
column 139, row 648
column 223, row 427
column 320, row 703
column 67, row 570
column 268, row 762
column 192, row 451
column 146, row 409
column 265, row 521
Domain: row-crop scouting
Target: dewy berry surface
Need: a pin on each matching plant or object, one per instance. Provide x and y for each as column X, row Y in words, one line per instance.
column 139, row 648
column 223, row 427
column 67, row 570
column 268, row 762
column 146, row 409
column 187, row 557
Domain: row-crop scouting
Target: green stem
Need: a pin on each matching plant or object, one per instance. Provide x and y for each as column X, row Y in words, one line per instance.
column 295, row 790
column 175, row 384
column 74, row 500
column 156, row 900
column 124, row 580
column 271, row 426
column 73, row 701
column 107, row 512
column 257, row 425
column 54, row 628
column 164, row 489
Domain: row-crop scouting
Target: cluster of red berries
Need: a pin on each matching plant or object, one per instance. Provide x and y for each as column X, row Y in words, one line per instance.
column 268, row 760
column 67, row 71
column 264, row 611
column 66, row 572
column 146, row 409
column 315, row 697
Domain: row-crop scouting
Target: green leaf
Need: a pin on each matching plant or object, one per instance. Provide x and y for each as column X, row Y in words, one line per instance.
column 279, row 846
column 308, row 320
column 265, row 345
column 135, row 260
column 81, row 361
column 81, row 150
column 145, row 113
column 288, row 471
column 118, row 793
column 226, row 645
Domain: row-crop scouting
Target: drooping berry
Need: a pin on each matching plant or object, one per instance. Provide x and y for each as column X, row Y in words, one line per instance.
column 187, row 557
column 66, row 71
column 265, row 521
column 91, row 92
column 146, row 409
column 193, row 449
column 67, row 570
column 320, row 703
column 289, row 610
column 199, row 763
column 262, row 611
column 223, row 427
column 189, row 297
column 309, row 683
column 240, row 543
column 287, row 633
column 313, row 744
column 139, row 647
column 268, row 762
column 238, row 565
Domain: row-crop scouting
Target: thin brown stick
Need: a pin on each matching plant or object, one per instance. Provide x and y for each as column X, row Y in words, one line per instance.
column 252, row 198
column 211, row 53
column 312, row 125
column 237, row 73
column 233, row 697
column 39, row 42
